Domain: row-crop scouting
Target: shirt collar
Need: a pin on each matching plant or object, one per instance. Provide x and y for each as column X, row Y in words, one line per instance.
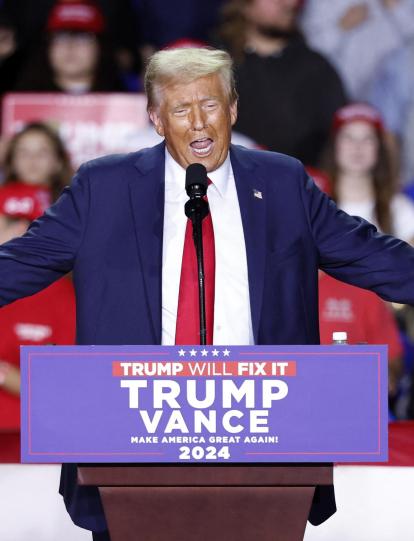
column 175, row 177
column 220, row 177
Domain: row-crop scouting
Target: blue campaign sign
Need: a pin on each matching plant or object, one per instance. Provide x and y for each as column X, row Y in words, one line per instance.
column 204, row 404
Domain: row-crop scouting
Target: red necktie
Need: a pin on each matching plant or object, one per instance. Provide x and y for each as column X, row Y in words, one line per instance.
column 188, row 317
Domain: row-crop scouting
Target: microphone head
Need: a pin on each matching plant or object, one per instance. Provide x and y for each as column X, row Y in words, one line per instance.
column 196, row 180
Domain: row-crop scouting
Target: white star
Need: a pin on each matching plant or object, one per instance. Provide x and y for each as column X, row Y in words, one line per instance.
column 193, row 352
column 226, row 352
column 181, row 353
column 215, row 352
column 204, row 353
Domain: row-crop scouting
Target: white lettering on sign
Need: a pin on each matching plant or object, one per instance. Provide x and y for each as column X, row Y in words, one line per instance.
column 162, row 404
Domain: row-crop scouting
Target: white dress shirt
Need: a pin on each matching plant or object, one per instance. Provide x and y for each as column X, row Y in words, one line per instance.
column 232, row 318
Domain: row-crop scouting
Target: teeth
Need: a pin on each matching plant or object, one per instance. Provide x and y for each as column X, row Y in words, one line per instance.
column 202, row 147
column 202, row 150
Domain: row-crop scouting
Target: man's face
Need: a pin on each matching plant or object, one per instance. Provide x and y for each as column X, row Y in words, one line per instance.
column 196, row 119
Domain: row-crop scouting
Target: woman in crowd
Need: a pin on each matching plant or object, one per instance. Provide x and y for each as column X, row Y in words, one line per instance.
column 74, row 57
column 363, row 184
column 36, row 169
column 359, row 166
column 36, row 156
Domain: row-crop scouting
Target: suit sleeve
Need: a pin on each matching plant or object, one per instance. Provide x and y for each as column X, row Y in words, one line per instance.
column 47, row 251
column 352, row 250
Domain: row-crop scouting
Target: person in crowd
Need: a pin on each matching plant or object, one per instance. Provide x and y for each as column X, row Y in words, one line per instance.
column 360, row 313
column 36, row 156
column 359, row 166
column 392, row 93
column 121, row 228
column 356, row 35
column 162, row 23
column 121, row 30
column 11, row 55
column 45, row 318
column 287, row 92
column 75, row 57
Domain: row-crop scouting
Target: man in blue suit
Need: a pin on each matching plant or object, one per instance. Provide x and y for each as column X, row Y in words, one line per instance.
column 118, row 229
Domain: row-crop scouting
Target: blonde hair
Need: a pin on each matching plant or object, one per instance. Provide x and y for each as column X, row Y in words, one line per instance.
column 185, row 65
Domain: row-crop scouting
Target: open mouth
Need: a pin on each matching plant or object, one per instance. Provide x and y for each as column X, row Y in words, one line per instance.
column 202, row 146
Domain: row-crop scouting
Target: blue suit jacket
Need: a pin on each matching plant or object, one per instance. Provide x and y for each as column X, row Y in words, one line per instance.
column 107, row 227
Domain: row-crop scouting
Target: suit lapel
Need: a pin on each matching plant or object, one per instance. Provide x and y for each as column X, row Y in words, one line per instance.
column 147, row 201
column 251, row 194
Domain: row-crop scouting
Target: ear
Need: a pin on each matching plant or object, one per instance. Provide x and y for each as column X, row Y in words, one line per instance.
column 156, row 120
column 233, row 112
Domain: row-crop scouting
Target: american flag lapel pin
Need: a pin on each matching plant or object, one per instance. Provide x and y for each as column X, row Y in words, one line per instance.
column 257, row 194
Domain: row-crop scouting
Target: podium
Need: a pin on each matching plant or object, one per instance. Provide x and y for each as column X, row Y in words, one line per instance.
column 220, row 503
column 201, row 444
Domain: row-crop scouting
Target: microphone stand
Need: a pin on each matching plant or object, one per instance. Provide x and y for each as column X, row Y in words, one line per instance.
column 197, row 209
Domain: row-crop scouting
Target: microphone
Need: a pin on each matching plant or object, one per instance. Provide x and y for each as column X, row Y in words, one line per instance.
column 196, row 184
column 196, row 209
column 196, row 180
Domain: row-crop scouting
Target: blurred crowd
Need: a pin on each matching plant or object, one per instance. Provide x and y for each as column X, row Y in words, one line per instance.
column 328, row 82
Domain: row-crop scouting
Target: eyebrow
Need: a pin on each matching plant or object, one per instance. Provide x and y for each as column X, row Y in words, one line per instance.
column 187, row 103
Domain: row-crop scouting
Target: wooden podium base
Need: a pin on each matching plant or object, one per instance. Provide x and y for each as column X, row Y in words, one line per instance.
column 213, row 503
column 207, row 513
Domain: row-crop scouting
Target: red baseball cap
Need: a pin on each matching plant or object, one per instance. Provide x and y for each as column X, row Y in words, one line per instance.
column 77, row 16
column 357, row 111
column 19, row 200
column 185, row 43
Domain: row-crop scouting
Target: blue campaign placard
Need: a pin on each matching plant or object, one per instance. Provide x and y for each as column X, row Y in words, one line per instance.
column 204, row 404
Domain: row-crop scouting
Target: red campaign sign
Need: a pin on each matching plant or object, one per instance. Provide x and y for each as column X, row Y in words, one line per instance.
column 90, row 125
